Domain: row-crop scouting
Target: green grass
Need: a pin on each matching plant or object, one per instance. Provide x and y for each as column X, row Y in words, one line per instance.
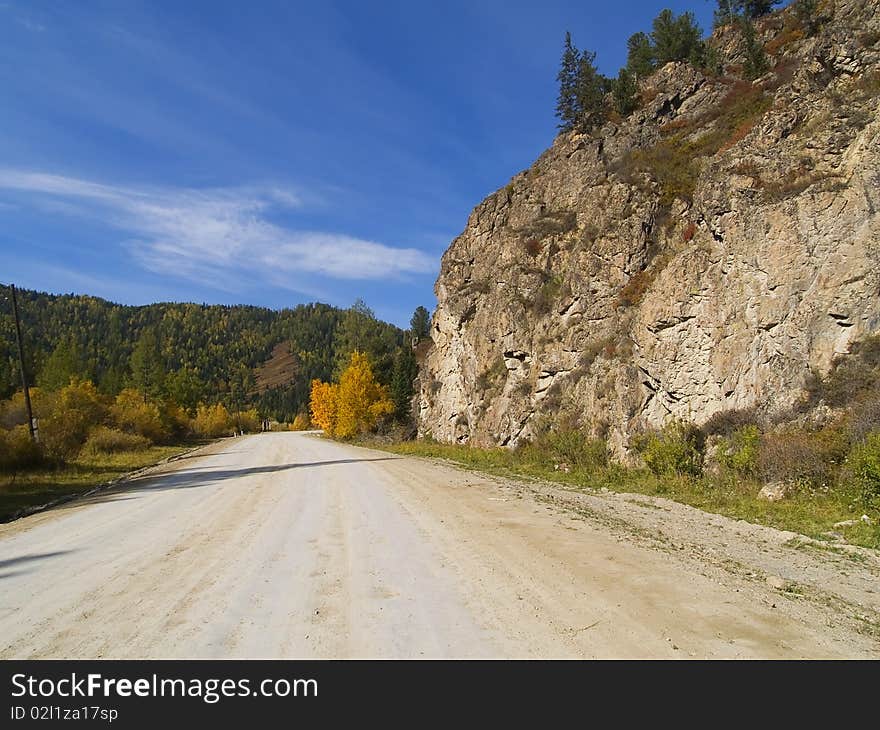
column 36, row 487
column 810, row 514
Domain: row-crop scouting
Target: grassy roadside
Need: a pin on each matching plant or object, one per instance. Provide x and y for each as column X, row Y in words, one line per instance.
column 808, row 513
column 36, row 487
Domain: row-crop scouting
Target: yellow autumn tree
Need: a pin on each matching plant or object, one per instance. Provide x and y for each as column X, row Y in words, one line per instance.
column 322, row 405
column 212, row 421
column 132, row 414
column 66, row 417
column 352, row 406
column 361, row 401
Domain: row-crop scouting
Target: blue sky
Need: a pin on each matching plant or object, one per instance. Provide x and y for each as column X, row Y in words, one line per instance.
column 272, row 153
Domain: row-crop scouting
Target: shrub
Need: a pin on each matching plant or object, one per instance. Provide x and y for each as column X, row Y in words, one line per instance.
column 863, row 417
column 573, row 447
column 869, row 38
column 725, row 423
column 852, row 377
column 301, row 422
column 864, row 465
column 633, row 292
column 175, row 420
column 783, row 40
column 18, row 450
column 532, row 247
column 674, row 161
column 490, row 377
column 131, row 414
column 689, row 232
column 810, row 458
column 249, row 420
column 13, row 412
column 796, row 182
column 66, row 419
column 675, row 450
column 547, row 295
column 547, row 224
column 212, row 421
column 739, row 451
column 104, row 440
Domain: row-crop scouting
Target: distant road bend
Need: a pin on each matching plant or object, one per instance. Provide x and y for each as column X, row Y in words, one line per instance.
column 289, row 545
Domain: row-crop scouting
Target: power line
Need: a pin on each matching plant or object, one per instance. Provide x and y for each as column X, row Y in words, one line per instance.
column 24, row 380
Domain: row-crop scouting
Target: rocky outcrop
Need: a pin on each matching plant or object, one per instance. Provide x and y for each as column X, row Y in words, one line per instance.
column 707, row 253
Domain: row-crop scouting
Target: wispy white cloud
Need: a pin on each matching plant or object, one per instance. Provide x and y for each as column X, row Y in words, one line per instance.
column 220, row 237
column 31, row 25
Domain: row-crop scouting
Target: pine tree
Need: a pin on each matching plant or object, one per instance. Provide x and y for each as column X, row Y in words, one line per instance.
column 807, row 14
column 405, row 372
column 726, row 13
column 624, row 91
column 729, row 10
column 147, row 366
column 185, row 388
column 63, row 364
column 640, row 55
column 360, row 330
column 420, row 324
column 567, row 104
column 756, row 60
column 590, row 93
column 756, row 8
column 676, row 39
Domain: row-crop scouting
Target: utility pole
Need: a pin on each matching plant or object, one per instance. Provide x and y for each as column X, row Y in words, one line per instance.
column 24, row 382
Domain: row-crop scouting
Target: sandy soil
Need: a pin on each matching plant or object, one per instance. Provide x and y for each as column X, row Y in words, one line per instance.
column 287, row 545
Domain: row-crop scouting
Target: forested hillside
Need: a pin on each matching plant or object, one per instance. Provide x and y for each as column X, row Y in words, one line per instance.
column 191, row 352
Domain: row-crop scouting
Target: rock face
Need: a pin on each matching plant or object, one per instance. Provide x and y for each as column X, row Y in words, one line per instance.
column 707, row 253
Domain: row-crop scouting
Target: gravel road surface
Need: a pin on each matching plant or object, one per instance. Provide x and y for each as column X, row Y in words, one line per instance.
column 289, row 545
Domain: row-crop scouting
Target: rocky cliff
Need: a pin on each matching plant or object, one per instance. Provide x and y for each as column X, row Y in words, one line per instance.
column 707, row 253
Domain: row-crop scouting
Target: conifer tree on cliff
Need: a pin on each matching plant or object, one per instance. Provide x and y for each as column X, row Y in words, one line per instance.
column 420, row 324
column 590, row 95
column 567, row 109
column 640, row 55
column 756, row 8
column 729, row 10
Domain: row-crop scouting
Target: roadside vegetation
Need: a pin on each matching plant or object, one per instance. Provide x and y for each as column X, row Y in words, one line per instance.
column 115, row 388
column 814, row 470
column 810, row 512
column 85, row 438
column 357, row 403
column 25, row 490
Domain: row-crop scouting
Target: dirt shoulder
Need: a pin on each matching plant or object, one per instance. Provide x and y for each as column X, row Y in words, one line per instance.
column 830, row 585
column 85, row 495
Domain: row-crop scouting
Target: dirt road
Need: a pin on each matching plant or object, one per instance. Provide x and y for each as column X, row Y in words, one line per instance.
column 288, row 545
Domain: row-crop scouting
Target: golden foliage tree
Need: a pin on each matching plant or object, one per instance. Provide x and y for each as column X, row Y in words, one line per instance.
column 66, row 418
column 355, row 404
column 131, row 414
column 322, row 405
column 212, row 421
